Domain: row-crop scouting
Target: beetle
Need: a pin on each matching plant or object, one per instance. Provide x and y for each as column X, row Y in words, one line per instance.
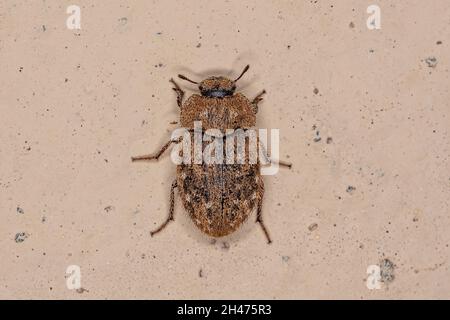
column 217, row 197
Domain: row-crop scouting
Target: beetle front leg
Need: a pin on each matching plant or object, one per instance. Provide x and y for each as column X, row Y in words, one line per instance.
column 256, row 100
column 180, row 93
column 172, row 205
column 259, row 218
column 158, row 154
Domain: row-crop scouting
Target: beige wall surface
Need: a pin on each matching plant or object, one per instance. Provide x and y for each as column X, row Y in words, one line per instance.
column 364, row 116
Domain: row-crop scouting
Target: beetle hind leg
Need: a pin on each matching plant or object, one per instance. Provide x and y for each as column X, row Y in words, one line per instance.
column 172, row 205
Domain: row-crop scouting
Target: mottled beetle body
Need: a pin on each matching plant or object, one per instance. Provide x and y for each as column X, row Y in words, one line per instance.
column 217, row 197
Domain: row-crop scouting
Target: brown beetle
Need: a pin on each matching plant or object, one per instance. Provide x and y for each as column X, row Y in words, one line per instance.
column 218, row 197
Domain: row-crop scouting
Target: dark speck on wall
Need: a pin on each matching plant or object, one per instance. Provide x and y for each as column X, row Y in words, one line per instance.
column 431, row 62
column 82, row 290
column 20, row 237
column 387, row 270
column 317, row 138
column 123, row 21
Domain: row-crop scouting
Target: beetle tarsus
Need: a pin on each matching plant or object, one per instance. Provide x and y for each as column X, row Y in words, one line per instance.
column 266, row 233
column 157, row 155
column 285, row 164
column 259, row 218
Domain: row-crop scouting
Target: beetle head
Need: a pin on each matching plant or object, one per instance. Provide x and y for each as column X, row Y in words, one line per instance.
column 217, row 86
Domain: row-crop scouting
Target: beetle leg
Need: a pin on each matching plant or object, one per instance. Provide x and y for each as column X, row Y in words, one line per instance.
column 172, row 204
column 269, row 161
column 259, row 218
column 256, row 100
column 180, row 93
column 158, row 154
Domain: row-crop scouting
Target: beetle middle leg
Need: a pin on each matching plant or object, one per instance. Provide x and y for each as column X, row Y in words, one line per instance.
column 158, row 154
column 259, row 218
column 180, row 93
column 172, row 205
column 269, row 160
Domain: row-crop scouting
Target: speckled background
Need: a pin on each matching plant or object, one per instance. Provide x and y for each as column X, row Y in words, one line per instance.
column 364, row 118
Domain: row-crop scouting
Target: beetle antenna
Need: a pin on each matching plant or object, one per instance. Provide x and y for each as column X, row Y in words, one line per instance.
column 243, row 72
column 185, row 78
